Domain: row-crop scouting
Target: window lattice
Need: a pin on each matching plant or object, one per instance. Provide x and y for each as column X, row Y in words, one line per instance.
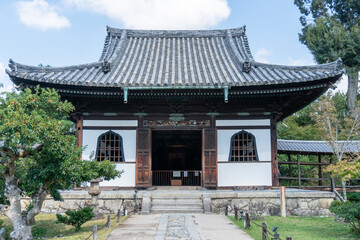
column 110, row 147
column 243, row 147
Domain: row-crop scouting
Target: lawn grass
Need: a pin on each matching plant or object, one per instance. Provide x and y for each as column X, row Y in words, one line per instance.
column 67, row 232
column 309, row 228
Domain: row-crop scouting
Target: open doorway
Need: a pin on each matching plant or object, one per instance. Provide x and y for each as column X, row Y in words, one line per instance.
column 176, row 157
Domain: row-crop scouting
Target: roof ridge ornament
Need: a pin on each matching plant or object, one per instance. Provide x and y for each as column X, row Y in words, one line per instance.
column 12, row 65
column 105, row 66
column 246, row 66
column 338, row 65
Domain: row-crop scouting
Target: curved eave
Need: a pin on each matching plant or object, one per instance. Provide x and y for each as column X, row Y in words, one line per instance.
column 92, row 75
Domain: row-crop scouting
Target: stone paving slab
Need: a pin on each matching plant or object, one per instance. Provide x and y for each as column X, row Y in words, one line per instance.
column 139, row 227
column 213, row 227
column 178, row 227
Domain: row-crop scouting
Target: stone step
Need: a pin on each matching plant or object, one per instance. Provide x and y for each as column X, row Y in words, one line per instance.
column 176, row 196
column 198, row 206
column 175, row 201
column 175, row 210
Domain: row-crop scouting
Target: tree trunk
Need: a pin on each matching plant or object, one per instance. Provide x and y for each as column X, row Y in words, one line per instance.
column 352, row 90
column 22, row 229
column 343, row 183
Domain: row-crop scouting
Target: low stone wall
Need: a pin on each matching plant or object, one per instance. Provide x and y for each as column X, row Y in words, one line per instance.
column 258, row 202
column 109, row 202
column 266, row 203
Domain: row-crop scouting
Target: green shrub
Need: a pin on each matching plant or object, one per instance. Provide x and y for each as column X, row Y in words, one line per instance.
column 353, row 196
column 76, row 218
column 38, row 232
column 349, row 211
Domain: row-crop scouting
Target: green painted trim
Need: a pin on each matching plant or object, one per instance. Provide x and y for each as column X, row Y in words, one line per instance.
column 125, row 90
column 213, row 114
column 226, row 94
column 140, row 114
column 110, row 114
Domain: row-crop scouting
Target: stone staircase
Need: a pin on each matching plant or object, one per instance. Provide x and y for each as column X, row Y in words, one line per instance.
column 176, row 203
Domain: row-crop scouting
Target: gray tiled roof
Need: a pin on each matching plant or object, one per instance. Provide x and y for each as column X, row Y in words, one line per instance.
column 306, row 146
column 146, row 58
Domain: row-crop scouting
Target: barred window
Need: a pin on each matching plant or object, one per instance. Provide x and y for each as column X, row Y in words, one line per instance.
column 110, row 147
column 243, row 147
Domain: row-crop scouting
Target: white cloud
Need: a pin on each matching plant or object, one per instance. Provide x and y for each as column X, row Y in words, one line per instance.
column 159, row 14
column 299, row 62
column 39, row 14
column 262, row 55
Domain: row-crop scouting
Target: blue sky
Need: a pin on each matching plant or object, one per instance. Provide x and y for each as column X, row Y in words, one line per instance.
column 67, row 32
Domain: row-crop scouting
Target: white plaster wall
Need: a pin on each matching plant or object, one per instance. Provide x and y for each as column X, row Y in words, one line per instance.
column 117, row 123
column 244, row 174
column 262, row 138
column 129, row 147
column 249, row 122
column 127, row 179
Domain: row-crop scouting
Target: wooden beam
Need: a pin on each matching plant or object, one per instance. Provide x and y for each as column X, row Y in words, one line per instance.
column 274, row 155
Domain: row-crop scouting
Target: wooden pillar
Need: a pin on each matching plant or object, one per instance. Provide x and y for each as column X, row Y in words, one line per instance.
column 320, row 171
column 290, row 174
column 299, row 170
column 79, row 130
column 274, row 157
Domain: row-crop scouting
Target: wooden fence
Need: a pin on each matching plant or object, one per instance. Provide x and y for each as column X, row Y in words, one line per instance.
column 294, row 175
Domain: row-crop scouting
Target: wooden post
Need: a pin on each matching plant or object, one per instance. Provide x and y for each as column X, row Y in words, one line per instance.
column 95, row 232
column 290, row 174
column 236, row 213
column 299, row 170
column 283, row 201
column 79, row 130
column 108, row 223
column 274, row 157
column 79, row 133
column 331, row 179
column 320, row 172
column 247, row 221
column 264, row 231
column 118, row 215
column 226, row 210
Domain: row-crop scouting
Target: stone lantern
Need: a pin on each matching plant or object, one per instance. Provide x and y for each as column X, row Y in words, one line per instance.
column 95, row 191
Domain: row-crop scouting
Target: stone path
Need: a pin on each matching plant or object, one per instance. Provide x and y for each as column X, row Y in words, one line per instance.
column 178, row 227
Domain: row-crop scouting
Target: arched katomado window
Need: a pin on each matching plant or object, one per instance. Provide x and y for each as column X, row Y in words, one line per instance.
column 109, row 146
column 243, row 147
